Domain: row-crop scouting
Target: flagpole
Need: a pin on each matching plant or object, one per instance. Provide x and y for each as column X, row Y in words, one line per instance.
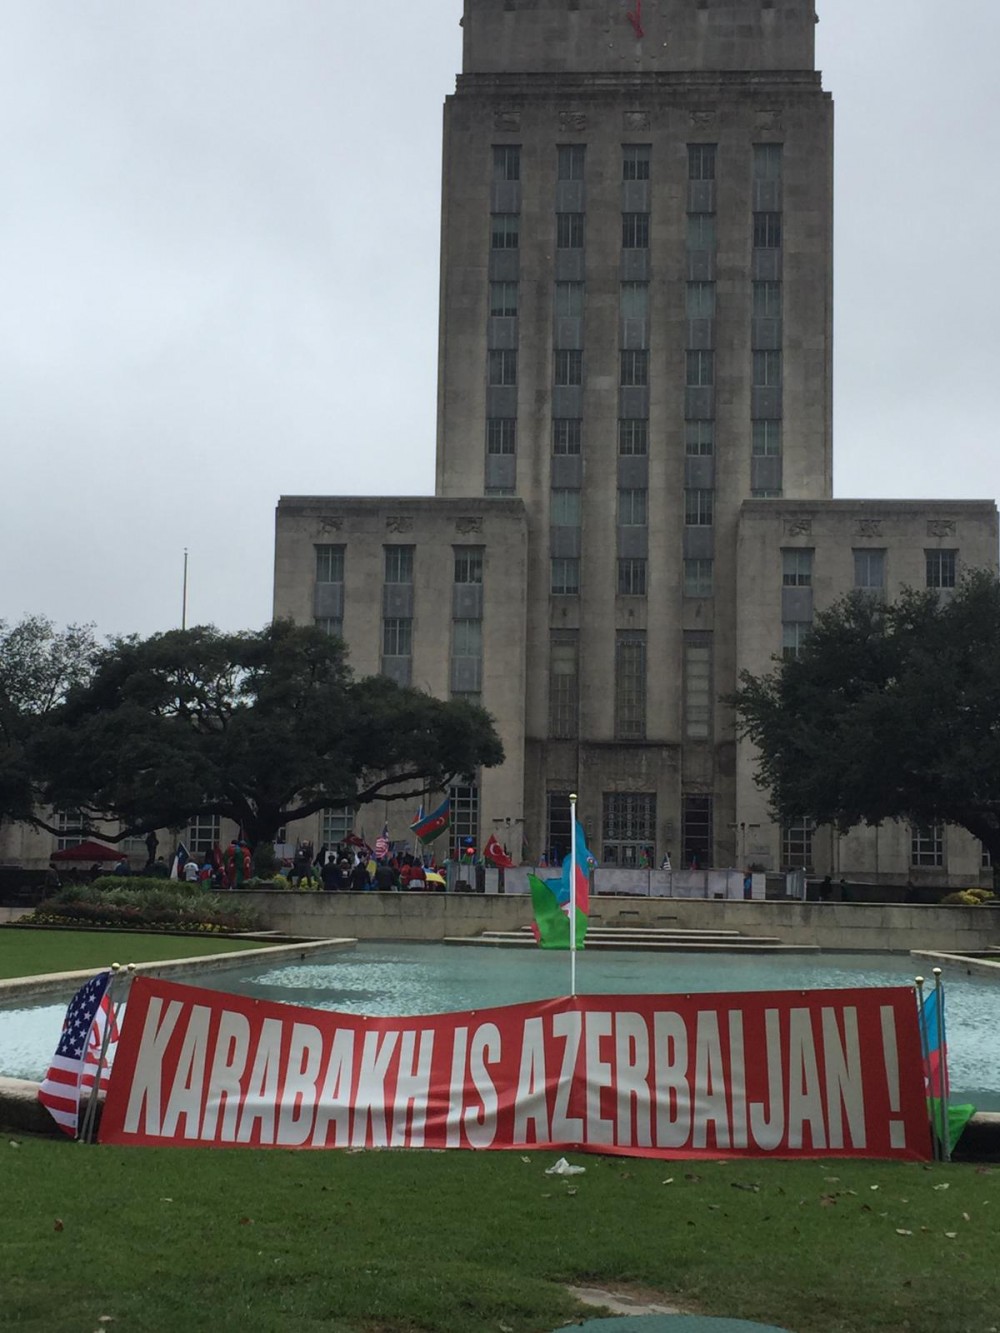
column 925, row 1047
column 90, row 1113
column 572, row 893
column 943, row 1068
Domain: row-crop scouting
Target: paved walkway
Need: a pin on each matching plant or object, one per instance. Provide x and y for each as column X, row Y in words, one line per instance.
column 633, row 1315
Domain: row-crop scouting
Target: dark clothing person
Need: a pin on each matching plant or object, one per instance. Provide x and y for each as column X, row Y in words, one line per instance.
column 332, row 876
column 359, row 878
column 123, row 867
column 52, row 880
column 385, row 878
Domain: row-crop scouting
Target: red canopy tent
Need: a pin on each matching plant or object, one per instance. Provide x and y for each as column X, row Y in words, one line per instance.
column 87, row 851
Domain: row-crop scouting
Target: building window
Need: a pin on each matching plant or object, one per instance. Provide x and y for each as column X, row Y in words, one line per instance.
column 467, row 638
column 499, row 490
column 68, row 819
column 398, row 564
column 796, row 568
column 697, row 689
column 701, row 231
column 634, row 300
column 941, row 568
column 336, row 824
column 767, row 300
column 793, row 636
column 569, row 300
column 701, row 161
column 767, row 370
column 501, row 435
column 464, row 820
column 766, row 438
column 204, row 833
column 697, row 834
column 564, row 508
column 329, row 564
column 700, row 368
column 568, row 367
column 629, row 828
column 397, row 636
column 332, row 625
column 635, row 231
column 767, row 161
column 635, row 161
column 632, row 507
column 567, row 434
column 633, row 436
column 503, row 299
column 767, row 231
column 569, row 231
column 869, row 570
column 764, row 493
column 564, row 686
column 634, row 368
column 469, row 565
column 927, row 845
column 468, row 697
column 630, row 686
column 565, row 576
column 558, row 823
column 699, row 439
column 701, row 300
column 698, row 578
column 632, row 578
column 502, row 366
column 505, row 231
column 507, row 162
column 797, row 845
column 699, row 504
column 570, row 161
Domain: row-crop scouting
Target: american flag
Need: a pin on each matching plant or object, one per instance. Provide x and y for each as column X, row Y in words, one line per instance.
column 382, row 844
column 73, row 1071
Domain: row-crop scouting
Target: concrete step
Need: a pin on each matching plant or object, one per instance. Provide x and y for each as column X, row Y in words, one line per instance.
column 697, row 938
column 517, row 940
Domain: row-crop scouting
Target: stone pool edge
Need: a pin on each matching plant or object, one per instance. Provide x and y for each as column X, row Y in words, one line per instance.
column 54, row 983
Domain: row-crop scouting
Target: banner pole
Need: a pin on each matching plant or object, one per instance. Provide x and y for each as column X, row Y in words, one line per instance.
column 925, row 1051
column 943, row 1066
column 86, row 1132
column 572, row 893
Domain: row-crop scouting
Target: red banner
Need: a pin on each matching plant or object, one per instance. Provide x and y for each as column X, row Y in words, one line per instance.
column 778, row 1073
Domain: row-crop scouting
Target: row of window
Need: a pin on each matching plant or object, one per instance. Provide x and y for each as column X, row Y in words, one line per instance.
column 632, row 576
column 633, row 370
column 630, row 679
column 398, row 564
column 633, row 436
column 940, row 566
column 569, row 297
column 571, row 161
column 505, row 231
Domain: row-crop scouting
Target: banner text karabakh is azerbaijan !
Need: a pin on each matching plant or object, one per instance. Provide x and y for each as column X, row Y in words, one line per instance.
column 781, row 1073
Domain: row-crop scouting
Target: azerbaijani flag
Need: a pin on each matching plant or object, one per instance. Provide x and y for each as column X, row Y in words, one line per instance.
column 550, row 899
column 428, row 827
column 935, row 1052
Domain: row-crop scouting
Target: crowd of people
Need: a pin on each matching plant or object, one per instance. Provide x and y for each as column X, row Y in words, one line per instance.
column 353, row 866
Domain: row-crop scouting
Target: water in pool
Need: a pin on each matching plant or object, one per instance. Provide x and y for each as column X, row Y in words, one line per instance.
column 435, row 978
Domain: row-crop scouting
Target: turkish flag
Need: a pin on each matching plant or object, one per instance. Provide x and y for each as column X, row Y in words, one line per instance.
column 496, row 853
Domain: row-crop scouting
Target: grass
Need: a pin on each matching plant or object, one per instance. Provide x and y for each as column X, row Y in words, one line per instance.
column 28, row 953
column 381, row 1242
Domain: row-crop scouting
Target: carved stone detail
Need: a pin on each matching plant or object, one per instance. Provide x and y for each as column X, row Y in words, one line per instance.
column 330, row 524
column 466, row 525
column 941, row 527
column 572, row 121
column 770, row 118
column 868, row 527
column 398, row 523
column 507, row 120
column 636, row 120
column 700, row 120
column 798, row 527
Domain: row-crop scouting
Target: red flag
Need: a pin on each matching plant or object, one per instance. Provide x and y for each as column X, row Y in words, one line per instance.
column 497, row 854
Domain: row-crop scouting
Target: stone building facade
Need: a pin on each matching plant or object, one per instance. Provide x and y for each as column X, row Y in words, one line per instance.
column 635, row 389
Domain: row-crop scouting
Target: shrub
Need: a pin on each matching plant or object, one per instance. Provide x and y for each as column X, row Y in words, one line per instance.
column 265, row 863
column 968, row 898
column 147, row 903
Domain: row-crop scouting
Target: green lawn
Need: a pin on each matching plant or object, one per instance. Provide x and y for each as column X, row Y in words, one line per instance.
column 380, row 1242
column 27, row 953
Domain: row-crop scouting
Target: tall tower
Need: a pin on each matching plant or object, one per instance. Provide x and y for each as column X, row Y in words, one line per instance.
column 635, row 338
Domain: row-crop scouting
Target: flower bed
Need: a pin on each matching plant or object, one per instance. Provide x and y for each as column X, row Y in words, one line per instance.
column 142, row 903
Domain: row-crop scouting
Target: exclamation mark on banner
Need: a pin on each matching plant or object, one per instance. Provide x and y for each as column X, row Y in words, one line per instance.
column 897, row 1128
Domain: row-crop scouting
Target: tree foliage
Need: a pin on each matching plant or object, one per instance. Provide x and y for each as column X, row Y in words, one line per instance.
column 259, row 727
column 888, row 712
column 39, row 665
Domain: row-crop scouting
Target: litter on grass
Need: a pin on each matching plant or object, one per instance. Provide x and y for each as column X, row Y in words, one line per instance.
column 563, row 1168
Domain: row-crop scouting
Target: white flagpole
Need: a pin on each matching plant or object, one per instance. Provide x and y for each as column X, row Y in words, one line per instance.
column 572, row 893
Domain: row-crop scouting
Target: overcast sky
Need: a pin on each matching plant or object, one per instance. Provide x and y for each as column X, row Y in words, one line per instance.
column 194, row 194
